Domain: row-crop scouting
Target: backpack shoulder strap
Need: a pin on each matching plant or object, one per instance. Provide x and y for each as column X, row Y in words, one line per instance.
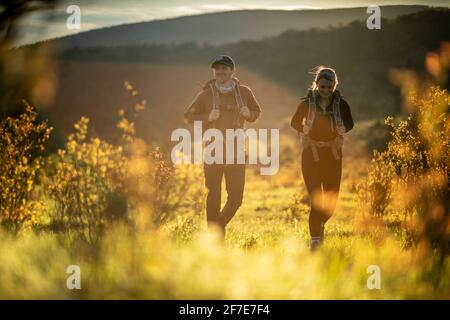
column 311, row 108
column 238, row 95
column 215, row 96
column 337, row 110
column 215, row 99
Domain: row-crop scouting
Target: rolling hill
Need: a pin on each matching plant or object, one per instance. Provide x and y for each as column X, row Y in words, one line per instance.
column 363, row 58
column 223, row 27
column 90, row 80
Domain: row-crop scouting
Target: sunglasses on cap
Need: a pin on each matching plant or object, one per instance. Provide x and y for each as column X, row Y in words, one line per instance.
column 223, row 60
column 328, row 75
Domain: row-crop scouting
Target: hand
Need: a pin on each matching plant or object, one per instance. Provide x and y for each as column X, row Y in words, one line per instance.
column 304, row 140
column 341, row 131
column 306, row 129
column 245, row 112
column 214, row 115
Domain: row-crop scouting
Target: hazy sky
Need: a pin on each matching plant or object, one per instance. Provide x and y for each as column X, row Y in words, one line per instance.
column 97, row 14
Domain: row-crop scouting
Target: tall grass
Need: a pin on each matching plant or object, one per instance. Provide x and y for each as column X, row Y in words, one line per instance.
column 136, row 227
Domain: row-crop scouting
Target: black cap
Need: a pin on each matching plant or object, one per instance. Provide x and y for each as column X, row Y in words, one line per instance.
column 223, row 59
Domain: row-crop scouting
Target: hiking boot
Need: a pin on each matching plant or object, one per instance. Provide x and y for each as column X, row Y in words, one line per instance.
column 315, row 243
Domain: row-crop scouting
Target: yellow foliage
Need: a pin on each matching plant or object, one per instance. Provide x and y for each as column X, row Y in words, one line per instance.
column 22, row 142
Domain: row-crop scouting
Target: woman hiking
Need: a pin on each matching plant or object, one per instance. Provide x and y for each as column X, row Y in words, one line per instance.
column 322, row 119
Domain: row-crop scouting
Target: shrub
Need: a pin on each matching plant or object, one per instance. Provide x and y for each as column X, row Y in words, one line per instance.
column 86, row 182
column 415, row 168
column 375, row 192
column 22, row 142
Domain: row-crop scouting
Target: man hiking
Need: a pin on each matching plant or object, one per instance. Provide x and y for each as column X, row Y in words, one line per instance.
column 224, row 103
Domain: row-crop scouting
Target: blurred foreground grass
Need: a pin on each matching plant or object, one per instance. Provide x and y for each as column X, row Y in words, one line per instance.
column 265, row 256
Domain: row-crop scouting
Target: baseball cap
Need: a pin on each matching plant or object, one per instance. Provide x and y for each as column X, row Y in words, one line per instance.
column 223, row 59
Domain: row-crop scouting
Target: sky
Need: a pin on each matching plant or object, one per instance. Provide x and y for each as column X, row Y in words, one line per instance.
column 103, row 13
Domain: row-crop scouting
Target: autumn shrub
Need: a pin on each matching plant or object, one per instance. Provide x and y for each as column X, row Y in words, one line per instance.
column 375, row 192
column 414, row 170
column 88, row 176
column 95, row 182
column 22, row 143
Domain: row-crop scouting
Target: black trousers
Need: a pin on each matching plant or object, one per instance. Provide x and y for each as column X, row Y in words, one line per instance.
column 322, row 179
column 234, row 180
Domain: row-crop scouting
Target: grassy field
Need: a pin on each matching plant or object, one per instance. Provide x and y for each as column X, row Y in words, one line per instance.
column 136, row 228
column 265, row 254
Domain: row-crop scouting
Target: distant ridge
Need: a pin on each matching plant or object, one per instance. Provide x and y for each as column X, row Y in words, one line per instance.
column 223, row 27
